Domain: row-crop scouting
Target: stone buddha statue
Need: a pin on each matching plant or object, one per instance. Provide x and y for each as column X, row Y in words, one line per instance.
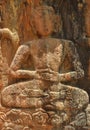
column 43, row 85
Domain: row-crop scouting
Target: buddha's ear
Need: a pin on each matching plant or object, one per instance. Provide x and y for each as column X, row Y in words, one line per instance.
column 57, row 23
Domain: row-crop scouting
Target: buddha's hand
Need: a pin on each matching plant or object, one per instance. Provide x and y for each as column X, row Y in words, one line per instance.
column 37, row 75
column 49, row 75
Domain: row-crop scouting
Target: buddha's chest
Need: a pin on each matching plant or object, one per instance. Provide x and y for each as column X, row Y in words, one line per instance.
column 47, row 54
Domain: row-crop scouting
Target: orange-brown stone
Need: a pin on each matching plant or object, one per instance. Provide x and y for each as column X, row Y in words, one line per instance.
column 87, row 17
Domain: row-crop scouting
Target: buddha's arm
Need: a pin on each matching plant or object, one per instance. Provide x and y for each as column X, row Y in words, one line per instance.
column 78, row 71
column 15, row 68
column 19, row 58
column 26, row 74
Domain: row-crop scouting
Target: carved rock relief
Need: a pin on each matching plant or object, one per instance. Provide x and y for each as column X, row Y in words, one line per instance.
column 40, row 98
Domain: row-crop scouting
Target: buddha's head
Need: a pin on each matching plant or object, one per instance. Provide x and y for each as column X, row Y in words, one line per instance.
column 42, row 18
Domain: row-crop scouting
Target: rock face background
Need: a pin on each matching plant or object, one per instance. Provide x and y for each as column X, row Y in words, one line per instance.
column 73, row 23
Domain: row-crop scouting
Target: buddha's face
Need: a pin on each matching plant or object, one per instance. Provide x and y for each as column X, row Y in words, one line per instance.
column 43, row 22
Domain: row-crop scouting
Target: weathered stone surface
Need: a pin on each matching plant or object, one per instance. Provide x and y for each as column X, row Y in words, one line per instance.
column 80, row 120
column 40, row 98
column 69, row 128
column 87, row 17
column 88, row 115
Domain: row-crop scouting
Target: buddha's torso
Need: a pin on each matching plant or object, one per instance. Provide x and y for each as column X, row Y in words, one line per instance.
column 47, row 53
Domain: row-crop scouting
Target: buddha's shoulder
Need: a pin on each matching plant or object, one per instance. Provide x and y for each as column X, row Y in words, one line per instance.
column 49, row 41
column 57, row 40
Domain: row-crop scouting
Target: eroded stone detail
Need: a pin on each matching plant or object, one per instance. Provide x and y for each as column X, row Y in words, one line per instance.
column 41, row 97
column 88, row 115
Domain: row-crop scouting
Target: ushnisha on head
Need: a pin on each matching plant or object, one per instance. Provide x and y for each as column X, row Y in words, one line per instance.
column 42, row 20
